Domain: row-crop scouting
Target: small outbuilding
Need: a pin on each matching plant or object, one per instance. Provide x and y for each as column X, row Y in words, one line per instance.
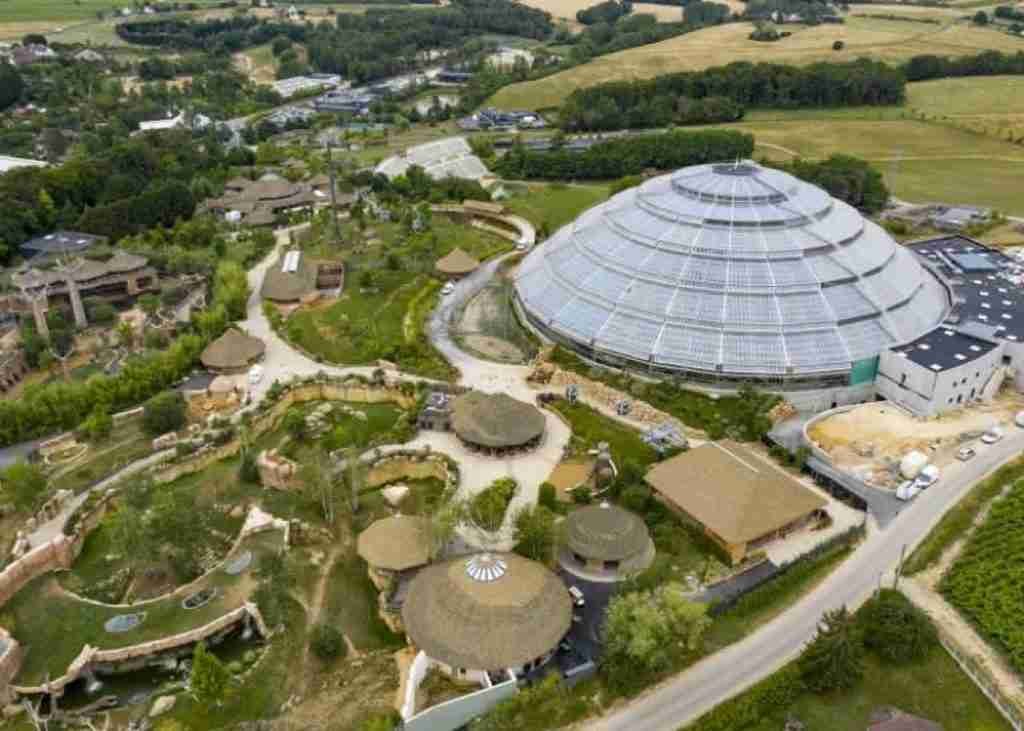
column 456, row 264
column 741, row 500
column 496, row 422
column 606, row 542
column 487, row 613
column 232, row 352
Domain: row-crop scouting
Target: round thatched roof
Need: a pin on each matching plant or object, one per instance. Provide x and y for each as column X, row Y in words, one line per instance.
column 233, row 349
column 495, row 420
column 282, row 286
column 456, row 262
column 605, row 533
column 397, row 543
column 487, row 611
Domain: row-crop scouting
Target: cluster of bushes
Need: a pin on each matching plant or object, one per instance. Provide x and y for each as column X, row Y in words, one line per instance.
column 986, row 63
column 605, row 12
column 488, row 507
column 650, row 102
column 888, row 626
column 128, row 186
column 627, row 156
column 847, row 178
column 217, row 35
column 384, row 42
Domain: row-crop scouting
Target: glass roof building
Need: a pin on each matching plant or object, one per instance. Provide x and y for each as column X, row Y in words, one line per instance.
column 729, row 273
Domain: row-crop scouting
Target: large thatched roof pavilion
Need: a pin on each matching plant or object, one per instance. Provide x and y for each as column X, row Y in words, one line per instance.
column 495, row 421
column 487, row 612
column 232, row 352
column 607, row 542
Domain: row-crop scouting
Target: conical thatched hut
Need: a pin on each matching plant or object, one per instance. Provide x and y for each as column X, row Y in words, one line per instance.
column 232, row 352
column 456, row 264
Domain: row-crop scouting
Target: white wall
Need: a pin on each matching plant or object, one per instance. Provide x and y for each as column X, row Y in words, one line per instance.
column 926, row 392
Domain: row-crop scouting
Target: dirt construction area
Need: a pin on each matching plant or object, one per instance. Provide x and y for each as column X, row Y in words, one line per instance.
column 870, row 440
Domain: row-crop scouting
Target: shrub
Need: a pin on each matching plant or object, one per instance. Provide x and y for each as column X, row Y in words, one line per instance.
column 327, row 642
column 894, row 629
column 164, row 413
column 98, row 426
column 247, row 469
column 635, row 498
column 834, row 659
column 488, row 507
column 838, row 46
column 548, row 496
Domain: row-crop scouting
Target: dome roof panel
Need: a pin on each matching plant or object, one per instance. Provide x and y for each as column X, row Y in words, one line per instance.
column 730, row 269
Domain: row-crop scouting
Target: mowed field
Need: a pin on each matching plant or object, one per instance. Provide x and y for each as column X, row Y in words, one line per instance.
column 889, row 40
column 922, row 161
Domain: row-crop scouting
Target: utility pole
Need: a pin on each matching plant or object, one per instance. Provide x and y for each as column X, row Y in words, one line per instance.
column 334, row 191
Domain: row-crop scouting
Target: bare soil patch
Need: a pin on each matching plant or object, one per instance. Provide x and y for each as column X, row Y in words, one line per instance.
column 568, row 474
column 870, row 440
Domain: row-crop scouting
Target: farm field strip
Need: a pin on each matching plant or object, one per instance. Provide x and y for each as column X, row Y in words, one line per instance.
column 888, row 40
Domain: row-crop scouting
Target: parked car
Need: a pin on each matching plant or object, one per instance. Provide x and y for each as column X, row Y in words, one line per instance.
column 255, row 374
column 577, row 596
column 927, row 477
column 907, row 490
column 965, row 453
column 1019, row 420
column 448, row 288
column 992, row 436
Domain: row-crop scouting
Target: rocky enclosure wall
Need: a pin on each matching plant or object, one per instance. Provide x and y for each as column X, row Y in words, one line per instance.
column 91, row 656
column 56, row 554
column 407, row 467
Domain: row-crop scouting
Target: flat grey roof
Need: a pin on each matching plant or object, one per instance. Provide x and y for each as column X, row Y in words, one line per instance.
column 945, row 348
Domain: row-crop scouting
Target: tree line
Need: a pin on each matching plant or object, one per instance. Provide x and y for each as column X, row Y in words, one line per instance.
column 219, row 35
column 627, row 156
column 388, row 41
column 657, row 102
column 605, row 12
column 131, row 185
column 986, row 63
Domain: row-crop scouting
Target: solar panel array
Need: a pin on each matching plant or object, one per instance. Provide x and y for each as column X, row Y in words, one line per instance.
column 450, row 157
column 730, row 269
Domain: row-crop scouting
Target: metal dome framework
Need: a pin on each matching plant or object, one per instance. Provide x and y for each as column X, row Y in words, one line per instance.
column 729, row 272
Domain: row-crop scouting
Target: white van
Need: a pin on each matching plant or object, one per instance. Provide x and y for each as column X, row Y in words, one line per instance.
column 577, row 596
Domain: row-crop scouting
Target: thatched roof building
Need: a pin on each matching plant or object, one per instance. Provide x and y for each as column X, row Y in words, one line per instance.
column 287, row 284
column 487, row 612
column 457, row 263
column 495, row 420
column 232, row 352
column 608, row 539
column 398, row 543
column 739, row 497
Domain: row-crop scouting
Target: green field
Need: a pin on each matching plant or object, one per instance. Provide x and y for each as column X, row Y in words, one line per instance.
column 887, row 40
column 984, row 583
column 554, row 204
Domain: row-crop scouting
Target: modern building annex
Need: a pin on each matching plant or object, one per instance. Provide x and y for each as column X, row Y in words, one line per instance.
column 730, row 273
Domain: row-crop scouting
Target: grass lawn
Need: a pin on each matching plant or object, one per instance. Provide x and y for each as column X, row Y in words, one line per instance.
column 554, row 204
column 934, row 688
column 53, row 627
column 994, row 183
column 968, row 96
column 352, row 606
column 887, row 40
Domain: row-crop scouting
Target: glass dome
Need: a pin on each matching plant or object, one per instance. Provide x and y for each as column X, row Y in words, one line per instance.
column 730, row 269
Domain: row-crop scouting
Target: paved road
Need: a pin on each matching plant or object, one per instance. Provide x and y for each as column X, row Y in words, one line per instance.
column 724, row 674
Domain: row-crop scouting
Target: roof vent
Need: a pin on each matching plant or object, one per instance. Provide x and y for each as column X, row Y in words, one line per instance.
column 485, row 568
column 735, row 168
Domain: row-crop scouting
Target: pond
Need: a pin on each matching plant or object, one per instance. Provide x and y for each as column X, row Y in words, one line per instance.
column 140, row 686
